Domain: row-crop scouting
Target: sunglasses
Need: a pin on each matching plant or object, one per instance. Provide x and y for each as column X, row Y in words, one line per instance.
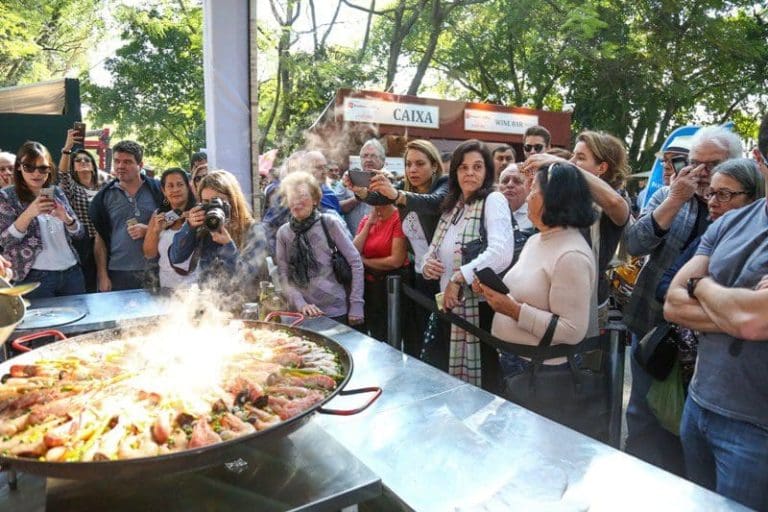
column 533, row 148
column 82, row 160
column 41, row 169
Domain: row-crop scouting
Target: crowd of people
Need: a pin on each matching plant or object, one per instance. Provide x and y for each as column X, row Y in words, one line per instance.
column 548, row 226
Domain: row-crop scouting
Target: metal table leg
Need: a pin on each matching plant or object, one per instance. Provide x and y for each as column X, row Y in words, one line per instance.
column 618, row 334
column 394, row 337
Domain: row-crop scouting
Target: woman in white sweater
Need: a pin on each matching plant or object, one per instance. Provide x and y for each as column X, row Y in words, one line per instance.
column 556, row 270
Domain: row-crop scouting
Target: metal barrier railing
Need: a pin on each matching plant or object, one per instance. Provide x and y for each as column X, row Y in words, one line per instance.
column 616, row 347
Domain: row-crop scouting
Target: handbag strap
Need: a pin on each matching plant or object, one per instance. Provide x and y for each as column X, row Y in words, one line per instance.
column 331, row 243
column 192, row 262
column 529, row 351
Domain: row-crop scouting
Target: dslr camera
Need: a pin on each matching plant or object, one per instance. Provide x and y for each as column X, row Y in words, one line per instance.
column 216, row 213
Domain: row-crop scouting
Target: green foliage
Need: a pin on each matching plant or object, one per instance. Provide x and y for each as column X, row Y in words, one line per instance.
column 156, row 93
column 292, row 100
column 635, row 69
column 45, row 39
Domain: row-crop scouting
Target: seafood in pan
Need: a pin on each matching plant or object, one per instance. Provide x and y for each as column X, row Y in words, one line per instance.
column 139, row 398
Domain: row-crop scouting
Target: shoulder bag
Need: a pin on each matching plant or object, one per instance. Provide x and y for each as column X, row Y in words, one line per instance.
column 656, row 352
column 569, row 395
column 339, row 263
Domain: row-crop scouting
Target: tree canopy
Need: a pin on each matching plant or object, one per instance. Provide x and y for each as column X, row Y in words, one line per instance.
column 156, row 92
column 44, row 39
column 636, row 69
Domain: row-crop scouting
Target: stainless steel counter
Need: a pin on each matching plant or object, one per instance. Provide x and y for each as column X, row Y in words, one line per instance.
column 440, row 444
column 103, row 310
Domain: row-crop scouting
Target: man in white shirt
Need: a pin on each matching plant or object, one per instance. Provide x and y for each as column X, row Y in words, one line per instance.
column 514, row 186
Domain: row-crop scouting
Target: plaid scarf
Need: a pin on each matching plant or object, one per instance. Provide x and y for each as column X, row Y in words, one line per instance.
column 464, row 357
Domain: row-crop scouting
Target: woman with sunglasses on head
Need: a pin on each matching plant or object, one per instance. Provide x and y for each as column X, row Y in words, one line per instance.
column 226, row 248
column 37, row 226
column 163, row 226
column 79, row 179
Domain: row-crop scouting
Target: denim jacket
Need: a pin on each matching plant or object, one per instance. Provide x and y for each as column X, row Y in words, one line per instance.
column 22, row 252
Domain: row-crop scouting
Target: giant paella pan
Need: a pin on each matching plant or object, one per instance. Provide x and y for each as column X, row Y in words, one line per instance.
column 157, row 398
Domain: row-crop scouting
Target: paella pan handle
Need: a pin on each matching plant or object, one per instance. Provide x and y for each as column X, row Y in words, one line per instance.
column 299, row 317
column 349, row 412
column 18, row 343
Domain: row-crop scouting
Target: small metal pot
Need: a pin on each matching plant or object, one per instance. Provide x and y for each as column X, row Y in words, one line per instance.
column 12, row 311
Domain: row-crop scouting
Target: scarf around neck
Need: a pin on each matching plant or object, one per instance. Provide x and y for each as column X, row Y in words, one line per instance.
column 464, row 361
column 301, row 258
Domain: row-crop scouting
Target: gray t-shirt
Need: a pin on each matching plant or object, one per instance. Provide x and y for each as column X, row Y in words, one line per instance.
column 731, row 376
column 124, row 252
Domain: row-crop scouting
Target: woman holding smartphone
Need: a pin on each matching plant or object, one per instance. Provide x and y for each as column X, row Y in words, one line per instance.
column 79, row 179
column 424, row 189
column 163, row 226
column 37, row 226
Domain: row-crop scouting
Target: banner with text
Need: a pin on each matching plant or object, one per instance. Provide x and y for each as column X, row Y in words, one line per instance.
column 497, row 122
column 386, row 112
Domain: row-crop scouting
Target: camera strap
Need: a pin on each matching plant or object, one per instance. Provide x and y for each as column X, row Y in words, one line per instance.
column 194, row 259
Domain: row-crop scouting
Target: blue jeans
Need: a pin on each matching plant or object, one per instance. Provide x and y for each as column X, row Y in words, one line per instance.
column 56, row 283
column 646, row 438
column 725, row 455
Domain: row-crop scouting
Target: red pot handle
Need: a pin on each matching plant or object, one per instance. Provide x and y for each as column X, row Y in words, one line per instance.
column 349, row 412
column 291, row 314
column 18, row 343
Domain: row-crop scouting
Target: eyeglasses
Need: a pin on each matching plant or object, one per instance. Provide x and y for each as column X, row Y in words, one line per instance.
column 722, row 195
column 707, row 165
column 533, row 148
column 82, row 160
column 41, row 169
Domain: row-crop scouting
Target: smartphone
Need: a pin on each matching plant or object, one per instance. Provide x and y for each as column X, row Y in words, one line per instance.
column 171, row 216
column 47, row 192
column 491, row 279
column 678, row 162
column 131, row 221
column 80, row 127
column 359, row 178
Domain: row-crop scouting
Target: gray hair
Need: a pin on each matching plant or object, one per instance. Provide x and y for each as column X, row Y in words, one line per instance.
column 5, row 155
column 721, row 137
column 377, row 146
column 745, row 171
column 292, row 163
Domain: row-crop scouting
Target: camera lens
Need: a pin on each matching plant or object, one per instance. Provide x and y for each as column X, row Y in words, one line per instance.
column 214, row 219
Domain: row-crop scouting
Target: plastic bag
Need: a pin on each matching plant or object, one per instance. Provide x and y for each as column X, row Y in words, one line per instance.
column 666, row 399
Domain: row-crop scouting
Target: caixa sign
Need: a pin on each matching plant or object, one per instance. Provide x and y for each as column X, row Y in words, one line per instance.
column 386, row 112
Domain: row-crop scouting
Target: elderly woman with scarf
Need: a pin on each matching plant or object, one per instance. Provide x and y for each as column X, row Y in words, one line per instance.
column 303, row 255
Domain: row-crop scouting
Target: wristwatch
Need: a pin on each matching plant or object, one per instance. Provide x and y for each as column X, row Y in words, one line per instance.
column 691, row 286
column 66, row 151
